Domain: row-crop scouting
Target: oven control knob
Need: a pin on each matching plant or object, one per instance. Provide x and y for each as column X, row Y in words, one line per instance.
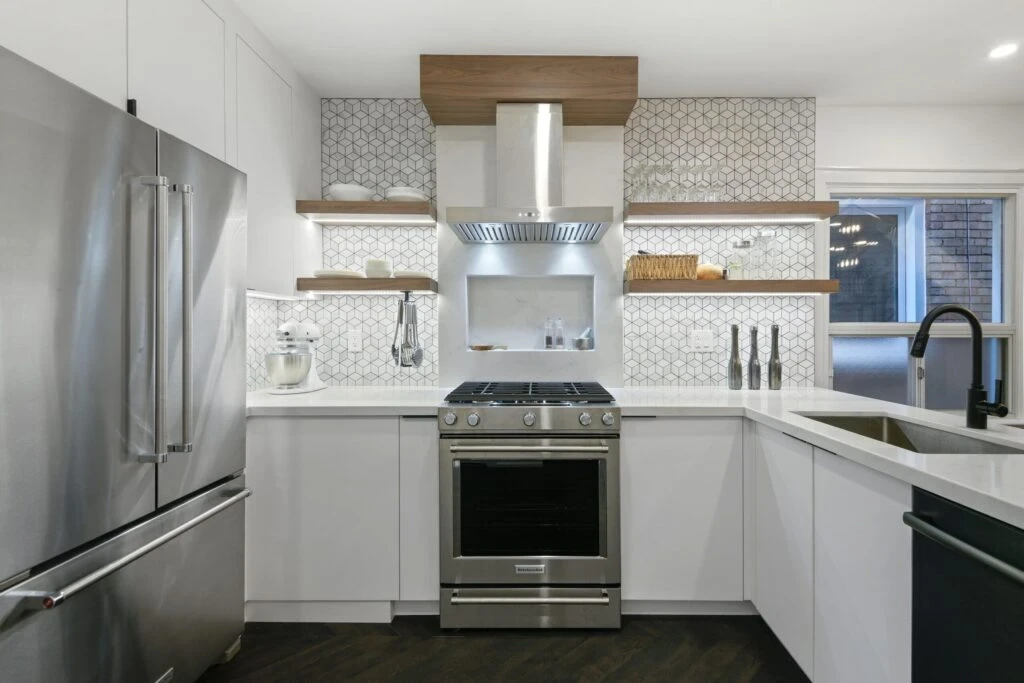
column 608, row 419
column 450, row 419
column 529, row 419
column 585, row 419
column 473, row 419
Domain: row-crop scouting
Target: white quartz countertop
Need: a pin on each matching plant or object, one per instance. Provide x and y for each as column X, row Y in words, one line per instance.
column 350, row 401
column 993, row 484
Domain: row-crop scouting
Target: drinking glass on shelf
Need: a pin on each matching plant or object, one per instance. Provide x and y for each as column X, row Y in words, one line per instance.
column 769, row 254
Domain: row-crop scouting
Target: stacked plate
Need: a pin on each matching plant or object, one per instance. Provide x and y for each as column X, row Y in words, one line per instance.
column 405, row 194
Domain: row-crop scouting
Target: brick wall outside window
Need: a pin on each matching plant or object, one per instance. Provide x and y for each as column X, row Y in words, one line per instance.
column 958, row 253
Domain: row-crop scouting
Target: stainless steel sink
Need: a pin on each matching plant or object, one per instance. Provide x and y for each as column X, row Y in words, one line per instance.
column 910, row 436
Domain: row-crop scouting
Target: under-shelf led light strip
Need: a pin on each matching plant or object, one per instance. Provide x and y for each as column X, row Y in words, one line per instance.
column 376, row 220
column 721, row 220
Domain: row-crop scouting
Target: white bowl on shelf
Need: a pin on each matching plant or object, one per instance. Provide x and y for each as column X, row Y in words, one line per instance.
column 349, row 192
column 378, row 268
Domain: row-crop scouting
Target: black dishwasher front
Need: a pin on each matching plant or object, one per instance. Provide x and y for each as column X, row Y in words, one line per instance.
column 968, row 594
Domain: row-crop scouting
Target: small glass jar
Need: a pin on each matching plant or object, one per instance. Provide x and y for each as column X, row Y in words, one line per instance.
column 738, row 264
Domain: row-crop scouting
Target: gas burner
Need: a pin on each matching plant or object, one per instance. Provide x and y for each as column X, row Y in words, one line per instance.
column 530, row 393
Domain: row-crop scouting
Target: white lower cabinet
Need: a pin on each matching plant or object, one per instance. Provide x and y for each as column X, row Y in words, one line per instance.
column 682, row 509
column 862, row 574
column 784, row 573
column 419, row 503
column 323, row 521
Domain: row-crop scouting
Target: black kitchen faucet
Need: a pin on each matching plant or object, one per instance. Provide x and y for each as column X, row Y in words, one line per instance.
column 978, row 405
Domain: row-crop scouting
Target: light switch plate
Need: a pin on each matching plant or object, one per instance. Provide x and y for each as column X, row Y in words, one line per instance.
column 702, row 341
column 355, row 340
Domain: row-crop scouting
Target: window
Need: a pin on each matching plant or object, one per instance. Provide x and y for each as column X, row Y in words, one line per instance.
column 896, row 258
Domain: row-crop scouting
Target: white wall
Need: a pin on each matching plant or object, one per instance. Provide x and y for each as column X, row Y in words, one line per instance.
column 593, row 176
column 921, row 137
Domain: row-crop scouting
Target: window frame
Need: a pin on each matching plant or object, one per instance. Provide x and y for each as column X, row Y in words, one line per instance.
column 835, row 184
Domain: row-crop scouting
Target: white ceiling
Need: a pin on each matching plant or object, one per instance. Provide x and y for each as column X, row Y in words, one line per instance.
column 842, row 51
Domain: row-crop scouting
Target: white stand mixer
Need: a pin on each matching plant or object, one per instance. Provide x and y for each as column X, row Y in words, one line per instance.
column 296, row 342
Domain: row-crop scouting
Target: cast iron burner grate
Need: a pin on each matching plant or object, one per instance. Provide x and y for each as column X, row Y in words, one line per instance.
column 511, row 393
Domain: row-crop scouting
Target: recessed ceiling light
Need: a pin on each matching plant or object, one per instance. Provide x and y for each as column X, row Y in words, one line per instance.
column 1004, row 50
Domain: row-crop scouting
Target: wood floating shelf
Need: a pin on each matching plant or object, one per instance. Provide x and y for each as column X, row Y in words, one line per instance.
column 345, row 285
column 330, row 212
column 464, row 90
column 730, row 286
column 728, row 213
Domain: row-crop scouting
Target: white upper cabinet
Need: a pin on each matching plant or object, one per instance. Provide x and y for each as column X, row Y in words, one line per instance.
column 784, row 573
column 82, row 42
column 682, row 509
column 862, row 574
column 265, row 144
column 176, row 70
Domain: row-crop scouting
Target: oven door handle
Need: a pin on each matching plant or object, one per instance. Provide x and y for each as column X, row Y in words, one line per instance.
column 455, row 448
column 457, row 600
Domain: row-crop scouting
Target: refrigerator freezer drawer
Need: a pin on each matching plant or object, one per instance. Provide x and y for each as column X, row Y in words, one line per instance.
column 173, row 599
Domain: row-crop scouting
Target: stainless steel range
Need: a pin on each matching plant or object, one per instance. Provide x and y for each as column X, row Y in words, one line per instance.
column 530, row 506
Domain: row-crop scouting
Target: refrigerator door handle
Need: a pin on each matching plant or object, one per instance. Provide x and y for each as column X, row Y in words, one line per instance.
column 44, row 600
column 159, row 454
column 185, row 444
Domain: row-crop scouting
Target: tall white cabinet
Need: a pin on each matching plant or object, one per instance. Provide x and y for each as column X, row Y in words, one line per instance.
column 185, row 95
column 681, row 497
column 82, row 42
column 784, row 540
column 199, row 70
column 265, row 155
column 862, row 574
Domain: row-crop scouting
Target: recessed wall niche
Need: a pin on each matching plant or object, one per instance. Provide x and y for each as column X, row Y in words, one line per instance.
column 510, row 310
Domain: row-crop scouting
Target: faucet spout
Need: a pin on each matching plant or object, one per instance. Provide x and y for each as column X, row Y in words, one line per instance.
column 978, row 405
column 921, row 338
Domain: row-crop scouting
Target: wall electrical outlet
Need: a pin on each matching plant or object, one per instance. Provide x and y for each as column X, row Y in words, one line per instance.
column 702, row 341
column 355, row 340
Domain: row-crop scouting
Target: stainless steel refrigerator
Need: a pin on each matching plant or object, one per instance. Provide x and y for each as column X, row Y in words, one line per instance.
column 122, row 392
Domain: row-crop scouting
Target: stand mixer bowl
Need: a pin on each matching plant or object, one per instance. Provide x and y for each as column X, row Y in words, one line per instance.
column 288, row 367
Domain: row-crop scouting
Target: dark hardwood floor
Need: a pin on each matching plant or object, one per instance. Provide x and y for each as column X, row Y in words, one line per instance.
column 683, row 649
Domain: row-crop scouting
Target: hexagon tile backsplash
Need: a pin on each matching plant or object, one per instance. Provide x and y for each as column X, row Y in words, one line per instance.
column 655, row 337
column 377, row 143
column 373, row 315
column 726, row 149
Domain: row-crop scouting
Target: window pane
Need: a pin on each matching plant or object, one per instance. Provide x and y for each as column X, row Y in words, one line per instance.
column 948, row 371
column 876, row 367
column 897, row 257
column 960, row 242
column 864, row 255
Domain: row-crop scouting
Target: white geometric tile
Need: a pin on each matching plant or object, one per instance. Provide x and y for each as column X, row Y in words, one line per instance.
column 261, row 324
column 408, row 248
column 655, row 333
column 743, row 149
column 375, row 315
column 377, row 143
column 794, row 256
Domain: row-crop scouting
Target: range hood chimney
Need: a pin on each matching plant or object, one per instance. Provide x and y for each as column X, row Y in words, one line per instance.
column 529, row 186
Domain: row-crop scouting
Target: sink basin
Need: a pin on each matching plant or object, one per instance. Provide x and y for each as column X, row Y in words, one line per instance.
column 909, row 435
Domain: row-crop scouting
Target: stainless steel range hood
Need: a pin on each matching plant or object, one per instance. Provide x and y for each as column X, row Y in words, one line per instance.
column 529, row 185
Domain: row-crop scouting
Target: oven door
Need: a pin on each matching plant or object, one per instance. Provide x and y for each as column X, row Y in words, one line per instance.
column 530, row 511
